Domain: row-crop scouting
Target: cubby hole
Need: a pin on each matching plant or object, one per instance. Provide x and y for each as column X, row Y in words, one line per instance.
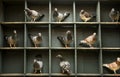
column 83, row 31
column 110, row 35
column 30, row 56
column 63, row 6
column 7, row 30
column 110, row 56
column 60, row 30
column 41, row 6
column 88, row 61
column 68, row 55
column 12, row 61
column 13, row 11
column 34, row 29
column 91, row 8
column 106, row 7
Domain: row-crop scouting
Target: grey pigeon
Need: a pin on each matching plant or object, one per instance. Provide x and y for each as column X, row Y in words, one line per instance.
column 65, row 65
column 67, row 39
column 90, row 40
column 34, row 15
column 58, row 17
column 12, row 39
column 114, row 66
column 36, row 39
column 114, row 15
column 38, row 64
column 85, row 16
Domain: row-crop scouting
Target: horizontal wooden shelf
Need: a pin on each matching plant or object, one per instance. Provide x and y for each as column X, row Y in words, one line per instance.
column 41, row 74
column 60, row 74
column 37, row 48
column 11, row 47
column 79, row 48
column 115, row 75
column 62, row 48
column 110, row 48
column 109, row 23
column 88, row 74
column 86, row 22
column 12, row 74
column 87, row 48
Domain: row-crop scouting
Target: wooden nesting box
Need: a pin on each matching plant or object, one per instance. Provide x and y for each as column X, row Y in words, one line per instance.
column 85, row 61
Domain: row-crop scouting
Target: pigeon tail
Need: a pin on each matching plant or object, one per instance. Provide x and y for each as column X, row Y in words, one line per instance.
column 66, row 14
column 40, row 17
column 106, row 65
column 5, row 37
column 68, row 72
column 60, row 38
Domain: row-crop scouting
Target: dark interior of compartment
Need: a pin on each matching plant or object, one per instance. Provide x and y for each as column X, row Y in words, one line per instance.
column 12, row 61
column 34, row 30
column 110, row 35
column 8, row 31
column 83, row 31
column 60, row 30
column 109, row 57
column 30, row 59
column 68, row 55
column 41, row 7
column 90, row 8
column 88, row 61
column 13, row 11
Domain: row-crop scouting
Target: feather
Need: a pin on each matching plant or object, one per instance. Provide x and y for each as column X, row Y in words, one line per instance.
column 58, row 17
column 12, row 39
column 114, row 15
column 65, row 65
column 34, row 15
column 85, row 16
column 36, row 39
column 114, row 66
column 89, row 41
column 38, row 65
column 65, row 40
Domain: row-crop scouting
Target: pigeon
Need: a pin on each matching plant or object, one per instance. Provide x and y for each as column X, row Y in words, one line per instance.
column 38, row 64
column 36, row 39
column 90, row 40
column 114, row 15
column 12, row 39
column 85, row 16
column 65, row 65
column 34, row 15
column 58, row 17
column 114, row 66
column 65, row 40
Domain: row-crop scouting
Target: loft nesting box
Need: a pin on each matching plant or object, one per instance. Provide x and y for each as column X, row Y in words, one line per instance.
column 84, row 61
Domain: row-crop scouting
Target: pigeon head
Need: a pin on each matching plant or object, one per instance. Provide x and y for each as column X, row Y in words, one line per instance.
column 59, row 56
column 68, row 32
column 55, row 9
column 118, row 59
column 14, row 32
column 82, row 11
column 94, row 33
column 38, row 57
column 39, row 34
column 112, row 9
column 35, row 60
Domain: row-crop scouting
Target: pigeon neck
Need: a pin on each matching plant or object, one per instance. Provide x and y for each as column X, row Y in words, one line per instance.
column 118, row 63
column 61, row 59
